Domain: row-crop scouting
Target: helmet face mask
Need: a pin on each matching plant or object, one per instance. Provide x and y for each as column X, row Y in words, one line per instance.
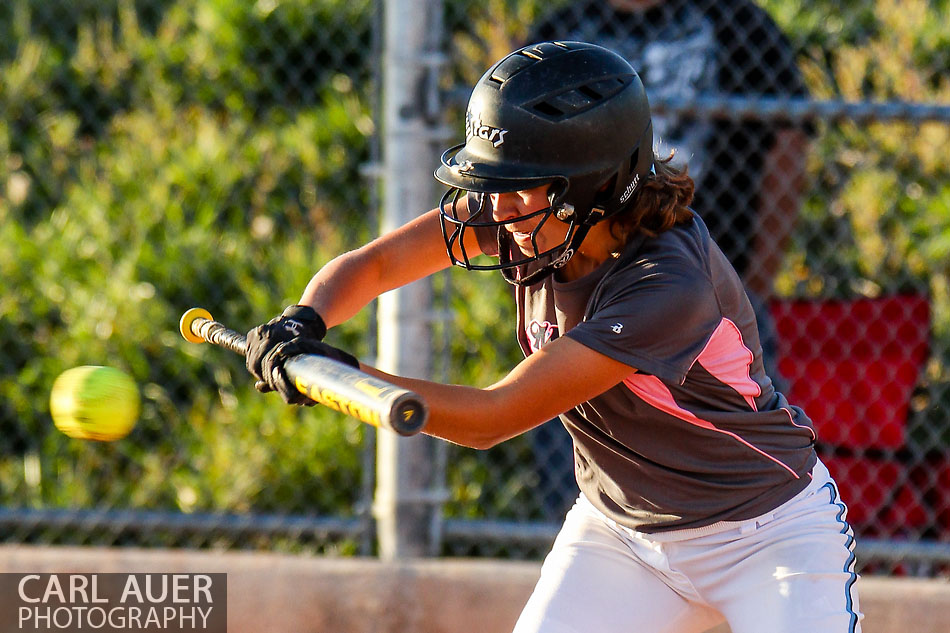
column 457, row 220
column 568, row 113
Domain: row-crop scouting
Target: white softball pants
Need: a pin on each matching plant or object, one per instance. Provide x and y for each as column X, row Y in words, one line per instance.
column 788, row 571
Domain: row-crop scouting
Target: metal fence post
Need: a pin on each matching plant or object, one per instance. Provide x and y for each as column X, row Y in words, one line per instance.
column 408, row 504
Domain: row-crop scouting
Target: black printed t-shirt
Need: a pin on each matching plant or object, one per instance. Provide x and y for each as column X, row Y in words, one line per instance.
column 696, row 434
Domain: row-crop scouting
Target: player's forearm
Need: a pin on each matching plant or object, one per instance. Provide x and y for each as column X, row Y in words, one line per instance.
column 531, row 394
column 342, row 288
column 349, row 282
column 463, row 415
column 467, row 416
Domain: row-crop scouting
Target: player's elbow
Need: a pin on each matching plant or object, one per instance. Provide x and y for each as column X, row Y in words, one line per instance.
column 480, row 418
column 478, row 436
column 485, row 442
column 497, row 433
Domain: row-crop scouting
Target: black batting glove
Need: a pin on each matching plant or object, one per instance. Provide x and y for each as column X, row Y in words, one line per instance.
column 295, row 321
column 276, row 377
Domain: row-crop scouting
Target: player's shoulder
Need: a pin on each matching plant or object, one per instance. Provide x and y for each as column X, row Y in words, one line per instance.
column 677, row 258
column 684, row 242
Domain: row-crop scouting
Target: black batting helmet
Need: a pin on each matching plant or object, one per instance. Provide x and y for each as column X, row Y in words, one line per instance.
column 571, row 114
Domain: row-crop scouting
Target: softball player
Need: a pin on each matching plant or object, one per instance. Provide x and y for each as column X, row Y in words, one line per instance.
column 702, row 498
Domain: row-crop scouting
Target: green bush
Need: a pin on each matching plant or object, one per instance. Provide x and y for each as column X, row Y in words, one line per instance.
column 150, row 166
column 161, row 154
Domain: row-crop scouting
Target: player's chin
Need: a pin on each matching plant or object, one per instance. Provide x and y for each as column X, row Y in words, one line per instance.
column 525, row 244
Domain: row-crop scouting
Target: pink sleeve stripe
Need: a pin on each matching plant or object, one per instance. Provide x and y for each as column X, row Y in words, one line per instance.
column 652, row 391
column 729, row 361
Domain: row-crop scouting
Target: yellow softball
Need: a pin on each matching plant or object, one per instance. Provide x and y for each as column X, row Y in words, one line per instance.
column 94, row 403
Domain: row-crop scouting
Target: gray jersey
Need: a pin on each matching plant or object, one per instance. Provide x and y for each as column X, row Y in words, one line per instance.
column 697, row 434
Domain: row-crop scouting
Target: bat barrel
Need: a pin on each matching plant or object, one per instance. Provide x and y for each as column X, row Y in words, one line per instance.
column 409, row 414
column 357, row 394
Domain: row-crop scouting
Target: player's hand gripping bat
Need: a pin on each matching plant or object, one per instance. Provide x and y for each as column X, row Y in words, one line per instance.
column 328, row 382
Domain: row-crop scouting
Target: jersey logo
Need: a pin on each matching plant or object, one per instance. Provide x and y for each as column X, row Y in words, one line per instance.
column 540, row 333
column 617, row 328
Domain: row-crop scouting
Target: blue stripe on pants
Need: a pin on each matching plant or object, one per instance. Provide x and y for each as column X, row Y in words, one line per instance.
column 849, row 564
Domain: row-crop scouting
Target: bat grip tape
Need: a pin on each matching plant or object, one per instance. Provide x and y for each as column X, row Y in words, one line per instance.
column 215, row 333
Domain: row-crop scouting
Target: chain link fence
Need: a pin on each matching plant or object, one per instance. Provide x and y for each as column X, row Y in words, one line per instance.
column 160, row 154
column 815, row 136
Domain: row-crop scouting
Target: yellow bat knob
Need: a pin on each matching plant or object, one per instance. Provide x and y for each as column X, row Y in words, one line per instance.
column 189, row 317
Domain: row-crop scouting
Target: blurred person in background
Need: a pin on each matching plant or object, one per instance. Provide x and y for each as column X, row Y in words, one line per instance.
column 749, row 172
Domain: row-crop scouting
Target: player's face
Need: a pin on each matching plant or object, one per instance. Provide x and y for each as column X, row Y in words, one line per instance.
column 511, row 207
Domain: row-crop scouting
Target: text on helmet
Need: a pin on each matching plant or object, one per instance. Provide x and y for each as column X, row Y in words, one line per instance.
column 475, row 128
column 630, row 188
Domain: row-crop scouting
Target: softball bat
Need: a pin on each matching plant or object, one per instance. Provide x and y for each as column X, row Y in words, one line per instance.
column 328, row 382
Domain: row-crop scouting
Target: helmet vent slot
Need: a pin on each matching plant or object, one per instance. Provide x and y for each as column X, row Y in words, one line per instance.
column 591, row 92
column 511, row 66
column 607, row 88
column 580, row 99
column 519, row 60
column 634, row 159
column 548, row 110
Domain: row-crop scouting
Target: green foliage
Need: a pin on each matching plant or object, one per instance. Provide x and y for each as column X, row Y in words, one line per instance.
column 483, row 32
column 153, row 161
column 161, row 154
column 877, row 216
